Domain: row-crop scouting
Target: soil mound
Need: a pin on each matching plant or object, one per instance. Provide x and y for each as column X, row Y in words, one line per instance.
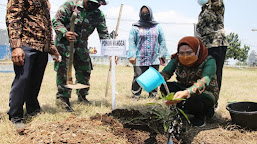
column 98, row 129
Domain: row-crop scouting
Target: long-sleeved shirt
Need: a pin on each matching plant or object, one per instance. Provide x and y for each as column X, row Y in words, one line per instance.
column 198, row 80
column 147, row 45
column 85, row 23
column 29, row 23
column 210, row 26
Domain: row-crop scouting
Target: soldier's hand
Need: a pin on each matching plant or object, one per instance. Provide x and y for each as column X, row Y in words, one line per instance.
column 132, row 60
column 71, row 36
column 18, row 56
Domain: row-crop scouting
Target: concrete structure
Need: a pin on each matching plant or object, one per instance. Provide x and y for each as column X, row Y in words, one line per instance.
column 5, row 51
column 104, row 60
column 252, row 59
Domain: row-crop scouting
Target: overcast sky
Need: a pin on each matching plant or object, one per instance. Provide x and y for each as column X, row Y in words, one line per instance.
column 175, row 16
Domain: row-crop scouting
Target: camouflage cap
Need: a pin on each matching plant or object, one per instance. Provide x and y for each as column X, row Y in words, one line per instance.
column 101, row 2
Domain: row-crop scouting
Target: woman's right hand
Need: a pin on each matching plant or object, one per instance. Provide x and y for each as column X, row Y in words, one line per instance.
column 132, row 60
column 162, row 61
column 178, row 95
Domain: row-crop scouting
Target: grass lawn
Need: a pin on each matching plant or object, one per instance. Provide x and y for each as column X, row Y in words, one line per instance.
column 238, row 85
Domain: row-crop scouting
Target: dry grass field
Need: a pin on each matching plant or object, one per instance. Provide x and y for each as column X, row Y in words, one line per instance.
column 238, row 85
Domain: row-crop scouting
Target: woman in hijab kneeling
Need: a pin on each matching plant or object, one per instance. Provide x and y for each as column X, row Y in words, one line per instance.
column 196, row 80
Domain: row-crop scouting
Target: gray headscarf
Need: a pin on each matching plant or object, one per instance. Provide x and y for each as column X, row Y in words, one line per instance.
column 143, row 23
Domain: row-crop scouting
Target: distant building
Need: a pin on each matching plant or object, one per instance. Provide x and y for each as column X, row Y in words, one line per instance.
column 5, row 50
column 252, row 60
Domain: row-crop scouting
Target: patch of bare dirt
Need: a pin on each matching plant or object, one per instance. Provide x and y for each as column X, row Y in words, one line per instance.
column 124, row 126
column 98, row 129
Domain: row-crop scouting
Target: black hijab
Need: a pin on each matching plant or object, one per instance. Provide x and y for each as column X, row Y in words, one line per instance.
column 143, row 23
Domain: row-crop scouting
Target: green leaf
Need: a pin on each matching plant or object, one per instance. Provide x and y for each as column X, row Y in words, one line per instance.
column 165, row 126
column 170, row 96
column 183, row 113
column 152, row 104
column 163, row 96
column 179, row 99
column 156, row 117
column 157, row 113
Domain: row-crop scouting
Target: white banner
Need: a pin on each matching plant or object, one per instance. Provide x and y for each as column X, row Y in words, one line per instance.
column 113, row 47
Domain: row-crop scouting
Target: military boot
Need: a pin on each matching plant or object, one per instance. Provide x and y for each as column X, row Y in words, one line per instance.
column 64, row 103
column 83, row 99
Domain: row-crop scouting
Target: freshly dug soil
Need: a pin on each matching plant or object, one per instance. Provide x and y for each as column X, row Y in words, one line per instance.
column 120, row 126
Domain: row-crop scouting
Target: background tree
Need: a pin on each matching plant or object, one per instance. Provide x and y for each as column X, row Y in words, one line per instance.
column 234, row 48
column 243, row 55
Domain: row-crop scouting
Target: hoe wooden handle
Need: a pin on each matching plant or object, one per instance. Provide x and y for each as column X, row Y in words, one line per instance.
column 70, row 62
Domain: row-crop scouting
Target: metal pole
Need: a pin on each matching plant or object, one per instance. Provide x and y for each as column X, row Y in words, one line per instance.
column 113, row 84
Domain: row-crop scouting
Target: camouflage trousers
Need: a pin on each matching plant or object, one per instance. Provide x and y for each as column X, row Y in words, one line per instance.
column 82, row 65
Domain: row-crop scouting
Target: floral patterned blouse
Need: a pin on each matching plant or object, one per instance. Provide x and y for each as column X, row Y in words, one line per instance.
column 147, row 45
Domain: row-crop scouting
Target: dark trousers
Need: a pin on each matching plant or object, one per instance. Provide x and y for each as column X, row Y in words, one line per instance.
column 195, row 105
column 219, row 54
column 138, row 70
column 26, row 84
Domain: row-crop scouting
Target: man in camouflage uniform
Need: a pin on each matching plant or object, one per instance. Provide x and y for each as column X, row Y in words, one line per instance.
column 210, row 30
column 89, row 18
column 30, row 33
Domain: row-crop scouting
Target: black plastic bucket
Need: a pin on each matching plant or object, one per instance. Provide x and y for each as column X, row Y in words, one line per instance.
column 243, row 114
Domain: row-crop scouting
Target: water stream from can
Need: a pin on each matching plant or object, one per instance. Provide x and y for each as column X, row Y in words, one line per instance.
column 166, row 88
